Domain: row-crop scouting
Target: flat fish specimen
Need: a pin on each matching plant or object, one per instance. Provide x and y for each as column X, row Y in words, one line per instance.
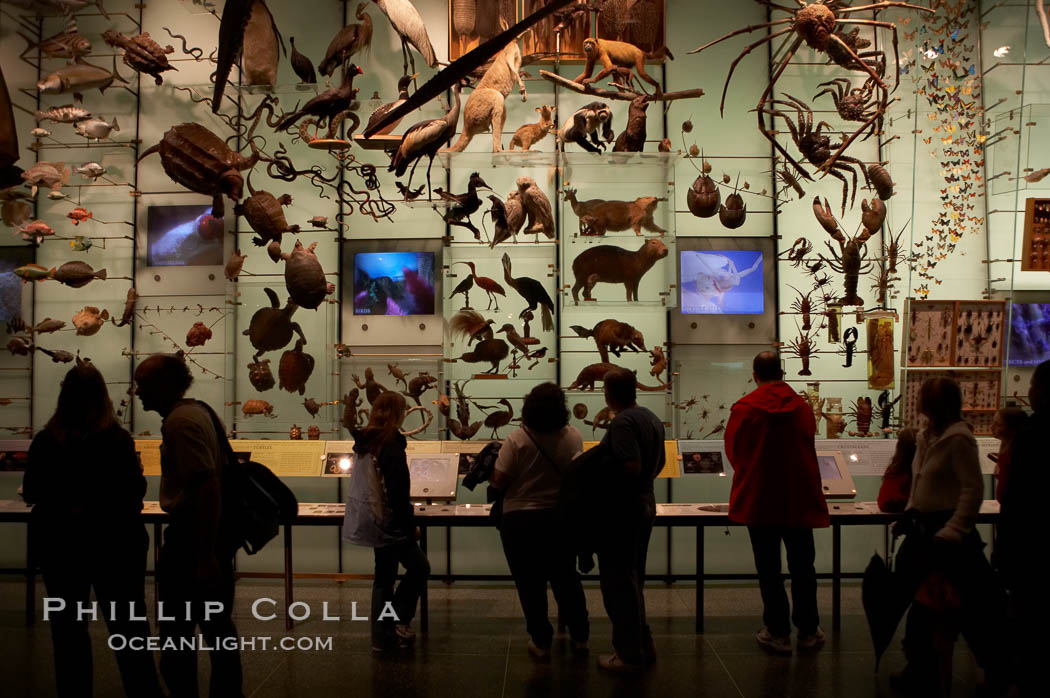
column 66, row 114
column 77, row 274
column 89, row 320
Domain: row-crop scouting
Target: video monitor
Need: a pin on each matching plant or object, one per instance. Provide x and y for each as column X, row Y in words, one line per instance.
column 1029, row 334
column 835, row 478
column 10, row 285
column 718, row 282
column 183, row 236
column 394, row 283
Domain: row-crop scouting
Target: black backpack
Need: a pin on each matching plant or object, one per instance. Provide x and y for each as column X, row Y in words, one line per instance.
column 255, row 503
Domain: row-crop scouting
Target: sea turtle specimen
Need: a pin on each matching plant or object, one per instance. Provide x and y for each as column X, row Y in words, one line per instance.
column 271, row 328
column 263, row 212
column 295, row 369
column 304, row 277
column 199, row 160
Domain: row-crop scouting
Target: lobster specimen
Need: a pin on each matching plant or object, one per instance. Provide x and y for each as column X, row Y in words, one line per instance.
column 803, row 306
column 849, row 260
column 849, row 338
column 460, row 426
column 862, row 417
column 885, row 409
column 803, row 347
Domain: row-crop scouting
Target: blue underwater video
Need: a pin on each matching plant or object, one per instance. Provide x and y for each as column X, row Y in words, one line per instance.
column 1029, row 334
column 722, row 282
column 394, row 283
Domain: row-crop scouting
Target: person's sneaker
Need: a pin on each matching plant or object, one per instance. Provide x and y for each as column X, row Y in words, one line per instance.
column 579, row 649
column 811, row 642
column 773, row 643
column 405, row 634
column 539, row 653
column 612, row 663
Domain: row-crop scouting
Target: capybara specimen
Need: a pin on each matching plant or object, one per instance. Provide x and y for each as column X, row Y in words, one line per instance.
column 614, row 265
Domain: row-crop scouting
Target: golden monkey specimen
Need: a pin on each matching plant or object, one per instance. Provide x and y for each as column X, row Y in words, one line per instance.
column 614, row 55
column 485, row 109
column 531, row 134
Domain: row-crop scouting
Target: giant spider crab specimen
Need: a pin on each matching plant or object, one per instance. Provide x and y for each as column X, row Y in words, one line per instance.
column 820, row 26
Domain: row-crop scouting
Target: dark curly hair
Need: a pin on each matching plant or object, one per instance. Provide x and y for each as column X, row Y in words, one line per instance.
column 545, row 410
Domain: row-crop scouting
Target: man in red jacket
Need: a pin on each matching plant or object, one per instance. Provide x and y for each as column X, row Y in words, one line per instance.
column 777, row 494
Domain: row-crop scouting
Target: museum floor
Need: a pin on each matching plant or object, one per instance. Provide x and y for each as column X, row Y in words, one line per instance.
column 476, row 647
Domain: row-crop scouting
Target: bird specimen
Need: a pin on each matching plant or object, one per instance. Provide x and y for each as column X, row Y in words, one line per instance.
column 350, row 40
column 491, row 351
column 534, row 293
column 464, row 205
column 302, row 65
column 380, row 112
column 405, row 20
column 425, row 138
column 520, row 343
column 470, row 324
column 537, row 207
column 330, row 104
column 463, row 287
column 489, row 286
column 500, row 418
column 502, row 229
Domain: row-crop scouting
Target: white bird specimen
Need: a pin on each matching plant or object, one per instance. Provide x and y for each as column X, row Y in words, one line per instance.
column 406, row 21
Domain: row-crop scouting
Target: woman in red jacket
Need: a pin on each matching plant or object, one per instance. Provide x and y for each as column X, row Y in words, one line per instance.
column 777, row 494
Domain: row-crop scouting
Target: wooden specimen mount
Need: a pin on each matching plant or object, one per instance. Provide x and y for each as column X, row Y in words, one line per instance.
column 623, row 94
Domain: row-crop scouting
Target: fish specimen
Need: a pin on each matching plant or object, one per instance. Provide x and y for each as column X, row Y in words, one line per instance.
column 233, row 265
column 19, row 346
column 261, row 48
column 530, row 134
column 90, row 170
column 36, row 231
column 534, row 293
column 142, row 54
column 58, row 356
column 491, row 351
column 47, row 326
column 79, row 214
column 77, row 274
column 350, row 40
column 271, row 328
column 14, row 211
column 198, row 335
column 129, row 308
column 40, row 132
column 612, row 336
column 51, row 175
column 402, row 94
column 264, row 214
column 304, row 278
column 89, row 320
column 32, row 272
column 485, row 108
column 302, row 65
column 96, row 128
column 66, row 114
column 68, row 43
column 80, row 244
column 318, row 221
column 199, row 160
column 1037, row 175
column 601, row 216
column 78, row 77
column 260, row 376
column 611, row 264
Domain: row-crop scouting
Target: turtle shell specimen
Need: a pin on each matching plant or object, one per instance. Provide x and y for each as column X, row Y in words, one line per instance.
column 264, row 214
column 199, row 160
column 260, row 376
column 703, row 197
column 304, row 278
column 311, row 406
column 198, row 335
column 295, row 369
column 271, row 328
column 295, row 433
column 251, row 407
column 313, row 432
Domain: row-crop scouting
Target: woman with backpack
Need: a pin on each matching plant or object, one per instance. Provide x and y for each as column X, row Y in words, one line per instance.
column 379, row 515
column 86, row 485
column 529, row 471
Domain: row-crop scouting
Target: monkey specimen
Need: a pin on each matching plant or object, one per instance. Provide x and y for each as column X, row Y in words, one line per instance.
column 585, row 122
column 613, row 55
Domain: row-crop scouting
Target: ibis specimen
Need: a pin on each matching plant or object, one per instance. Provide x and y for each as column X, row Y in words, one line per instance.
column 380, row 112
column 405, row 19
column 425, row 138
column 489, row 286
column 302, row 65
column 534, row 293
column 329, row 104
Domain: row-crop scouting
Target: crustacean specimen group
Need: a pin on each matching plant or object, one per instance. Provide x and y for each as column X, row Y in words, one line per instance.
column 849, row 259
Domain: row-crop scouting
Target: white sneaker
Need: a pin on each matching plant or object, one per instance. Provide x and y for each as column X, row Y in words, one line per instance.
column 811, row 642
column 773, row 643
column 538, row 653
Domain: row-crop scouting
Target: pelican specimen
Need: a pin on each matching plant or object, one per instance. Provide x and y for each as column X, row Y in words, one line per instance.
column 405, row 20
column 351, row 39
column 330, row 103
column 425, row 138
column 379, row 113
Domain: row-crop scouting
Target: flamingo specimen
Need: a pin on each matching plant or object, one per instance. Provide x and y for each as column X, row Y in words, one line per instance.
column 405, row 20
column 351, row 39
column 425, row 138
column 489, row 286
column 379, row 113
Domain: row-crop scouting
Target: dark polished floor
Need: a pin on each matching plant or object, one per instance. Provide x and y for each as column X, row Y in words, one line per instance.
column 476, row 647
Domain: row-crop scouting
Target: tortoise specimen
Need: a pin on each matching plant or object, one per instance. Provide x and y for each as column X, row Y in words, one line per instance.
column 304, row 277
column 263, row 212
column 295, row 369
column 271, row 328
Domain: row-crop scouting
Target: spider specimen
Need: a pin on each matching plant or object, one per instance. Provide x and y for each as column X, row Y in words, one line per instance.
column 817, row 24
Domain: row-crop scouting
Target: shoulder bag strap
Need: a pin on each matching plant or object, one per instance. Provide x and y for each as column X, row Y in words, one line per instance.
column 542, row 451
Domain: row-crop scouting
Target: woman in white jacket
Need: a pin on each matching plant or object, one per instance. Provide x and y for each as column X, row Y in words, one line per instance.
column 943, row 557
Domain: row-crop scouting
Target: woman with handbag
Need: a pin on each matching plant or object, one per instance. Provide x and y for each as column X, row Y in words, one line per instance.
column 528, row 472
column 379, row 515
column 86, row 485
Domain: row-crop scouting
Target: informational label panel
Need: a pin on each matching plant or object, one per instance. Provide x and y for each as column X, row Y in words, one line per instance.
column 149, row 455
column 863, row 457
column 284, row 458
column 671, row 466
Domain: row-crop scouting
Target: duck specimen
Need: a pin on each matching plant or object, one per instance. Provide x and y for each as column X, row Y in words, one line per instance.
column 405, row 20
column 303, row 66
column 500, row 418
column 329, row 104
column 380, row 112
column 425, row 138
column 534, row 293
column 463, row 287
column 489, row 286
column 351, row 39
column 463, row 205
column 470, row 324
column 491, row 351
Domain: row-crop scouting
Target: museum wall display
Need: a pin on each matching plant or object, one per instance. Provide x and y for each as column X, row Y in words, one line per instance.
column 460, row 200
